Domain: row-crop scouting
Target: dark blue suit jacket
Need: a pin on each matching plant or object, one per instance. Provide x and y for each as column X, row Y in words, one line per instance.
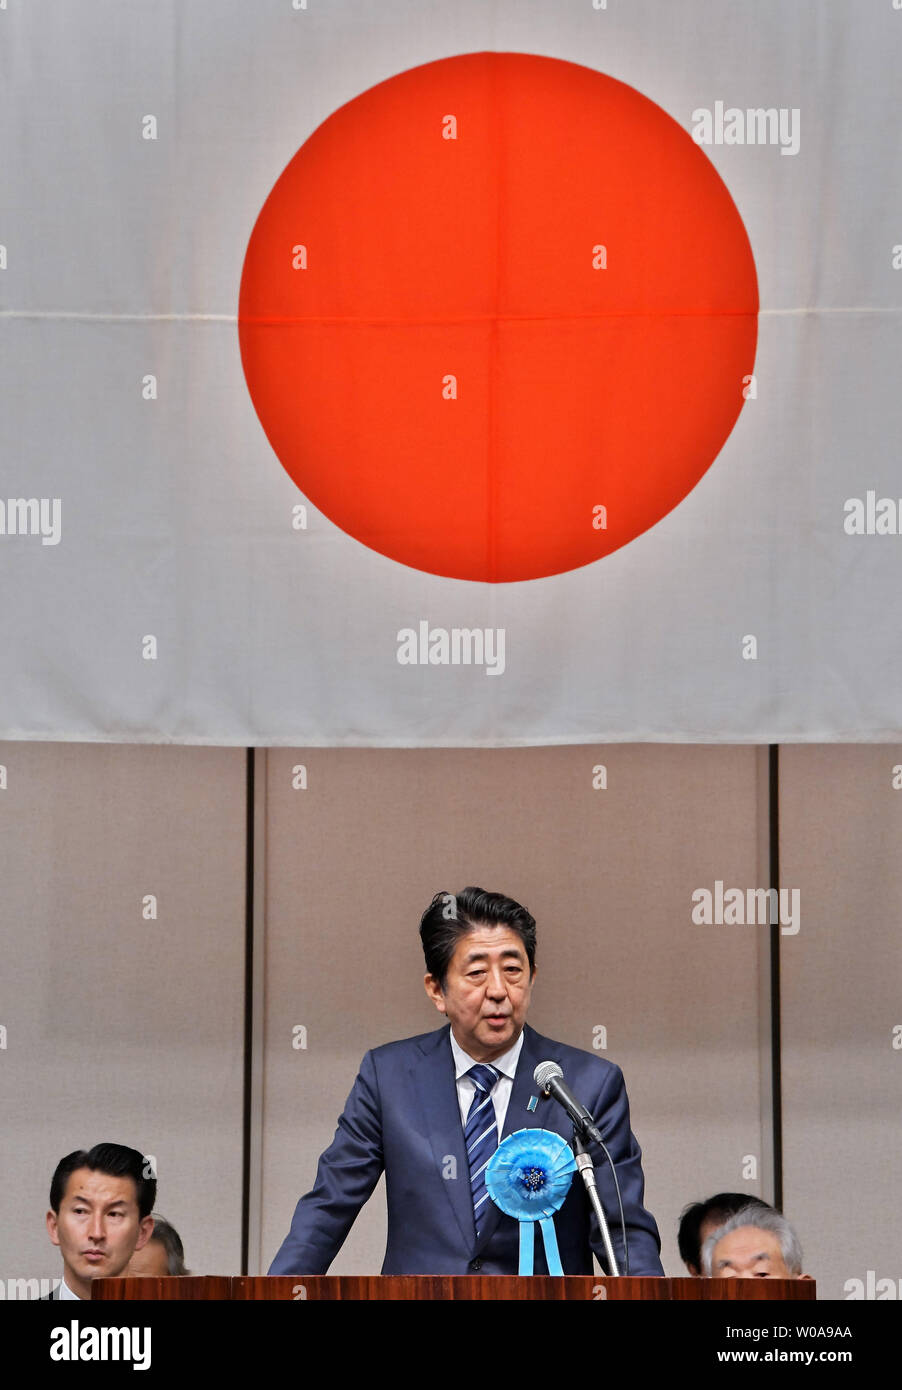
column 403, row 1116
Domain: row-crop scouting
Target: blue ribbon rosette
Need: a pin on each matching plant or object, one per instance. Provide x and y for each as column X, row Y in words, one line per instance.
column 528, row 1177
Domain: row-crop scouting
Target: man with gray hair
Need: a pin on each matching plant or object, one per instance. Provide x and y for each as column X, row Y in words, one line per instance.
column 162, row 1256
column 756, row 1243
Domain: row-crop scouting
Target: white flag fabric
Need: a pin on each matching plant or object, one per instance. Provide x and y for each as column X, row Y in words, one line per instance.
column 417, row 374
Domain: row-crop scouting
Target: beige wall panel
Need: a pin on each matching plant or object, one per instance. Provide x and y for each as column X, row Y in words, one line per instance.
column 840, row 838
column 609, row 874
column 120, row 1028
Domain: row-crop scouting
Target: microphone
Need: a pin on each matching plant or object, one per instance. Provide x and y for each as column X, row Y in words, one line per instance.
column 549, row 1078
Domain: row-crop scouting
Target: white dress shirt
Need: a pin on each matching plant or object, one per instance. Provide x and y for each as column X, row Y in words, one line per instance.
column 64, row 1292
column 506, row 1064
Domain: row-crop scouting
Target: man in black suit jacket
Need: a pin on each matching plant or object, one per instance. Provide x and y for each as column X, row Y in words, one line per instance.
column 408, row 1109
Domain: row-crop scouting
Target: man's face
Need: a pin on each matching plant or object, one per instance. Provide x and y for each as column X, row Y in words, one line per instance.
column 487, row 991
column 149, row 1262
column 98, row 1227
column 749, row 1253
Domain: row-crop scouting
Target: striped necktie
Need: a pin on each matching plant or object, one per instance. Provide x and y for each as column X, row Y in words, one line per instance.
column 481, row 1134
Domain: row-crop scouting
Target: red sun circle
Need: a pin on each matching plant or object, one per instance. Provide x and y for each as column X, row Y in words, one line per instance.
column 495, row 316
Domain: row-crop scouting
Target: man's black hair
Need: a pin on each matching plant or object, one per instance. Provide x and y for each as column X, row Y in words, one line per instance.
column 114, row 1159
column 718, row 1208
column 451, row 915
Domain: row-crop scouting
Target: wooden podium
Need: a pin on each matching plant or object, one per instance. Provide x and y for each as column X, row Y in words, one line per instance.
column 359, row 1288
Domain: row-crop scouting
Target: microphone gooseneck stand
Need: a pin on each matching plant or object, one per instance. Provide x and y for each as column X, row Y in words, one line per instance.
column 587, row 1170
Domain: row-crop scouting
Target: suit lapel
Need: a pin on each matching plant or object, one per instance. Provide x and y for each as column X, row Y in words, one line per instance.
column 518, row 1116
column 535, row 1049
column 437, row 1090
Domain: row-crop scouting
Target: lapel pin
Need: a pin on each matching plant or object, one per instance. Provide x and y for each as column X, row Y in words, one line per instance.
column 532, row 1103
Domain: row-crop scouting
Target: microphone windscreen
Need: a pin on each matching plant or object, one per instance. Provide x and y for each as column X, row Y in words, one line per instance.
column 545, row 1072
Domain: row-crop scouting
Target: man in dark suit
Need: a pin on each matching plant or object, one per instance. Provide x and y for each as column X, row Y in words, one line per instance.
column 100, row 1205
column 419, row 1107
